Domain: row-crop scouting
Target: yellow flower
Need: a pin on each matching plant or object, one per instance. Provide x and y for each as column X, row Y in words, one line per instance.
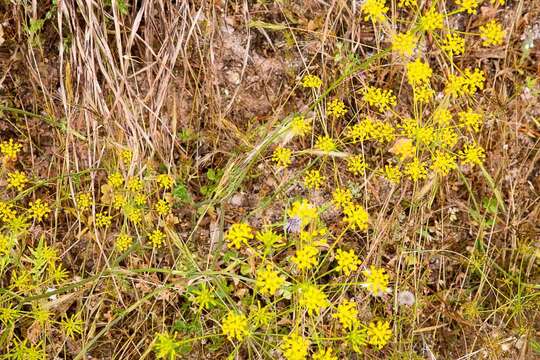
column 103, row 220
column 268, row 281
column 282, row 156
column 383, row 132
column 140, row 199
column 469, row 6
column 115, row 179
column 300, row 126
column 404, row 148
column 135, row 184
column 374, row 10
column 133, row 214
column 447, row 137
column 295, row 347
column 392, row 173
column 472, row 154
column 313, row 179
column 323, row 354
column 443, row 163
column 416, row 170
column 374, row 96
column 203, row 297
column 347, row 261
column 347, row 315
column 442, row 116
column 356, row 165
column 341, row 197
column 492, row 33
column 235, row 326
column 431, row 20
column 423, row 93
column 17, row 180
column 311, row 81
column 239, row 234
column 10, row 149
column 312, row 298
column 418, row 72
column 126, row 156
column 7, row 213
column 467, row 84
column 493, row 2
column 162, row 207
column 470, row 120
column 453, row 44
column 123, row 242
column 269, row 239
column 38, row 210
column 165, row 181
column 376, row 281
column 303, row 210
column 306, row 258
column 157, row 237
column 84, row 201
column 379, row 333
column 119, row 201
column 361, row 131
column 404, row 43
column 337, row 108
column 325, row 143
column 356, row 217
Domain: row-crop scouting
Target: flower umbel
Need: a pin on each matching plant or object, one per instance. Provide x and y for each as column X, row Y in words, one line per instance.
column 379, row 333
column 312, row 298
column 347, row 314
column 376, row 281
column 347, row 261
column 295, row 347
column 239, row 234
column 235, row 326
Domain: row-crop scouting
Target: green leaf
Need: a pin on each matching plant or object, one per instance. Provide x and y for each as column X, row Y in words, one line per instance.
column 181, row 193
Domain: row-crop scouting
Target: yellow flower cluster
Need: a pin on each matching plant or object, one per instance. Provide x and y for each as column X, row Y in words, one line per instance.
column 235, row 326
column 492, row 33
column 282, row 156
column 341, row 197
column 313, row 179
column 404, row 43
column 469, row 6
column 295, row 347
column 443, row 163
column 453, row 44
column 103, row 220
column 300, row 126
column 268, row 281
column 368, row 129
column 17, row 180
column 311, row 81
column 325, row 144
column 431, row 20
column 164, row 180
column 418, row 72
column 376, row 281
column 304, row 211
column 379, row 333
column 238, row 235
column 356, row 217
column 347, row 314
column 467, row 84
column 377, row 97
column 38, row 210
column 472, row 154
column 123, row 242
column 348, row 261
column 306, row 258
column 374, row 10
column 337, row 108
column 10, row 149
column 157, row 237
column 356, row 165
column 312, row 298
